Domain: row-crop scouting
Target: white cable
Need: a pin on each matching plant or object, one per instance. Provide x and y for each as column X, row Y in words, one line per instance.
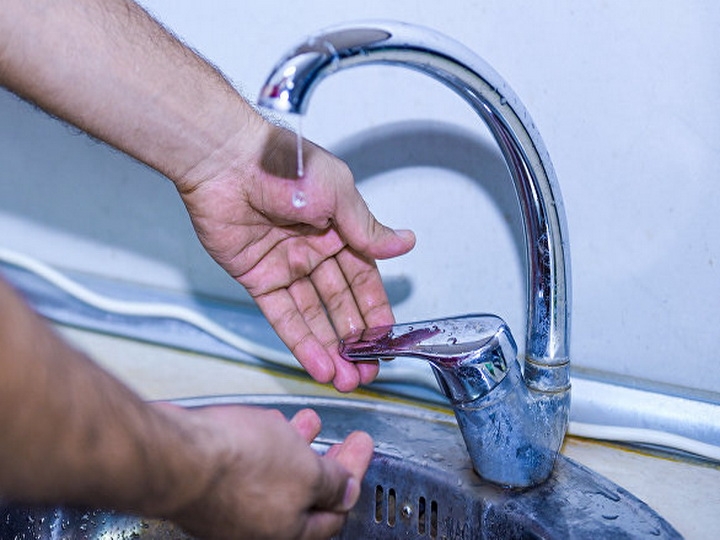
column 644, row 436
column 398, row 374
column 146, row 309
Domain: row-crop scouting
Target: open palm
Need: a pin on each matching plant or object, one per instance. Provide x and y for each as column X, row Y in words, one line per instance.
column 304, row 248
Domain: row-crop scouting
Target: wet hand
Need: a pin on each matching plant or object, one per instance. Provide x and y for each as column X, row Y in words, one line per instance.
column 304, row 248
column 267, row 481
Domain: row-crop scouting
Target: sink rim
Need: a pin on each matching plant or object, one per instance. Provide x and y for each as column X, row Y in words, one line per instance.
column 420, row 453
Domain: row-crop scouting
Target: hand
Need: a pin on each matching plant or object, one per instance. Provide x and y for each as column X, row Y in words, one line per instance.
column 304, row 248
column 268, row 483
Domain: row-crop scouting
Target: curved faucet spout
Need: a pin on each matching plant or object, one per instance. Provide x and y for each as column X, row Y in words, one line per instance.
column 546, row 366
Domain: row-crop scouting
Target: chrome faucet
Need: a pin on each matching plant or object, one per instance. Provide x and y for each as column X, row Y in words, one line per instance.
column 513, row 423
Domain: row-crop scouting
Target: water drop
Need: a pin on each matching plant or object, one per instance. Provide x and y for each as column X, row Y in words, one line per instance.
column 298, row 199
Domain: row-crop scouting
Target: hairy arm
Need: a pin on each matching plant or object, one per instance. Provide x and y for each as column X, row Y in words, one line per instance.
column 109, row 68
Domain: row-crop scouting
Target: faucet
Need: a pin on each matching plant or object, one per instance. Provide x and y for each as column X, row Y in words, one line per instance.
column 513, row 420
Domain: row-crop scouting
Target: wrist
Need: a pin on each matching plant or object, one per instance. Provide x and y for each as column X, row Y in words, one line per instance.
column 184, row 468
column 232, row 151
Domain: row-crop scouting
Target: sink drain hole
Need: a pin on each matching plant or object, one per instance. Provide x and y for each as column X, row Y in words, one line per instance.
column 422, row 525
column 421, row 515
column 379, row 503
column 386, row 511
column 433, row 519
column 392, row 507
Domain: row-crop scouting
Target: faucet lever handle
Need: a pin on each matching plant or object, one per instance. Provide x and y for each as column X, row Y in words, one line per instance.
column 469, row 354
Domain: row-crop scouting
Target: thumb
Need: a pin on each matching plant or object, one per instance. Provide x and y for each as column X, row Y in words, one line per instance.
column 344, row 466
column 336, row 489
column 365, row 234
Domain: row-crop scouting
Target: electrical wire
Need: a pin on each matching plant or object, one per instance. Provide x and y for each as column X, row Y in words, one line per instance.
column 644, row 436
column 145, row 309
column 284, row 359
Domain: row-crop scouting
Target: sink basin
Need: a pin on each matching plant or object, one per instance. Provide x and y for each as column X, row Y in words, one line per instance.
column 420, row 484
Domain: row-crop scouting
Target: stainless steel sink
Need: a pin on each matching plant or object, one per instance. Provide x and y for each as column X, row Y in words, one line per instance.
column 420, row 484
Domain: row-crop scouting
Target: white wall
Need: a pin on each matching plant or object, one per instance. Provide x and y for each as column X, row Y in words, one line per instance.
column 624, row 94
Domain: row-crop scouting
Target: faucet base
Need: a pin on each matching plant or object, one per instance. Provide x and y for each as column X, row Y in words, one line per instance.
column 514, row 434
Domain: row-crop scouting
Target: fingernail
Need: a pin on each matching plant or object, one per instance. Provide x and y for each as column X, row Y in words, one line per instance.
column 405, row 233
column 352, row 493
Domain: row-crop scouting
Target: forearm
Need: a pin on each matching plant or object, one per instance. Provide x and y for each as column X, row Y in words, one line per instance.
column 73, row 434
column 110, row 69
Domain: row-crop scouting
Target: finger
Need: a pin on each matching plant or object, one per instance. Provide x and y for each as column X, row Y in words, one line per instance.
column 307, row 423
column 371, row 298
column 367, row 288
column 282, row 312
column 337, row 297
column 350, row 461
column 311, row 309
column 347, row 462
column 323, row 524
column 285, row 256
column 363, row 232
column 354, row 454
column 342, row 308
column 346, row 375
